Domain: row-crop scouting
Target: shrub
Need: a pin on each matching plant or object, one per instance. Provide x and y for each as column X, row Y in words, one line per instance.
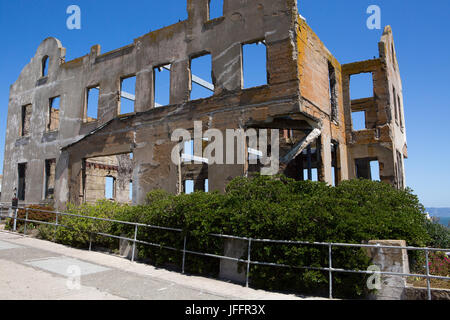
column 439, row 235
column 354, row 212
column 439, row 264
column 76, row 231
column 280, row 208
column 35, row 212
column 269, row 208
column 196, row 214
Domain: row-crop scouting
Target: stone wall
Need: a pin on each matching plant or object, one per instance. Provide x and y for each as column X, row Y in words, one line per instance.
column 390, row 260
column 301, row 76
column 413, row 293
column 98, row 169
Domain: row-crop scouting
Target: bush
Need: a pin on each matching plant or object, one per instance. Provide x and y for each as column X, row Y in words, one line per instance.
column 35, row 212
column 439, row 264
column 439, row 234
column 196, row 214
column 280, row 208
column 269, row 208
column 354, row 212
column 77, row 230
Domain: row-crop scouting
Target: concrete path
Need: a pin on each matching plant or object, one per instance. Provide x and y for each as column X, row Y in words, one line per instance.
column 33, row 269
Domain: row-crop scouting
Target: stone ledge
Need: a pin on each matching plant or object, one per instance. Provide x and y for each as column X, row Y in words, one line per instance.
column 415, row 293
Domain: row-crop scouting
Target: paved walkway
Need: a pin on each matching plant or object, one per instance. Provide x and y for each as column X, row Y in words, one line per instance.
column 33, row 269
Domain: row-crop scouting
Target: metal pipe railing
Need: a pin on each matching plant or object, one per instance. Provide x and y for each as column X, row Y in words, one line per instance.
column 330, row 269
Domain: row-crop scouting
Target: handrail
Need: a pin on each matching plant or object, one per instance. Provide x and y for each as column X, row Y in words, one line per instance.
column 248, row 261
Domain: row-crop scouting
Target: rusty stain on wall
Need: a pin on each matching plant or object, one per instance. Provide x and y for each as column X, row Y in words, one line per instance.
column 307, row 91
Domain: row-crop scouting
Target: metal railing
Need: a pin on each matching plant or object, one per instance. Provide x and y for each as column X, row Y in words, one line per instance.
column 330, row 269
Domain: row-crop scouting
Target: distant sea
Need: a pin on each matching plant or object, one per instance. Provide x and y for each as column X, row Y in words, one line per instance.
column 442, row 213
column 444, row 220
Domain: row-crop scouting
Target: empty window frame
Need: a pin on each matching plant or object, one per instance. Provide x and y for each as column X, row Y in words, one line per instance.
column 359, row 120
column 44, row 67
column 110, row 188
column 288, row 135
column 161, row 76
column 189, row 186
column 127, row 95
column 21, row 185
column 314, row 174
column 310, row 171
column 335, row 163
column 254, row 155
column 367, row 168
column 393, row 55
column 400, row 170
column 215, row 9
column 201, row 77
column 201, row 185
column 394, row 96
column 188, row 151
column 254, row 64
column 375, row 170
column 25, row 126
column 49, row 182
column 361, row 86
column 92, row 100
column 130, row 196
column 400, row 114
column 53, row 114
column 333, row 91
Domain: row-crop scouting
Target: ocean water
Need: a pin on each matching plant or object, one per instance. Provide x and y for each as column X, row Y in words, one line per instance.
column 444, row 221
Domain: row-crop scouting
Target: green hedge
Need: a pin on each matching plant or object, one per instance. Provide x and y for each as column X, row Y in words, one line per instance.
column 272, row 208
column 77, row 231
column 35, row 212
column 440, row 235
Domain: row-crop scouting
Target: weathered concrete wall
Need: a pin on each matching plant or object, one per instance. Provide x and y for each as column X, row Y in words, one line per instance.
column 384, row 138
column 313, row 64
column 229, row 270
column 390, row 260
column 297, row 97
column 176, row 44
column 97, row 169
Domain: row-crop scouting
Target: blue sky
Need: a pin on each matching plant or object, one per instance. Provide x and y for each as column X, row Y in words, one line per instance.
column 421, row 34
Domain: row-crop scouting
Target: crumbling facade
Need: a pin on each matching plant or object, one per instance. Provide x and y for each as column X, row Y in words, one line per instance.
column 61, row 154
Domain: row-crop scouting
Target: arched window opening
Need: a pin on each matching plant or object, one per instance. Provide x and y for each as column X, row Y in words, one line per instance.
column 45, row 66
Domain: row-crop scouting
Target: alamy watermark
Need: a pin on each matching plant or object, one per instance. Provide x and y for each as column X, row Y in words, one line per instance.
column 240, row 147
column 74, row 20
column 374, row 281
column 374, row 20
column 74, row 277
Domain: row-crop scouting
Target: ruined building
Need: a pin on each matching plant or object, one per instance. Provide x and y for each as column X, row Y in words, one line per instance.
column 57, row 151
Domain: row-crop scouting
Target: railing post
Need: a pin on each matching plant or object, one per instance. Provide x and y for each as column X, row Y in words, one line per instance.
column 248, row 261
column 330, row 263
column 90, row 241
column 56, row 227
column 134, row 242
column 184, row 255
column 15, row 220
column 428, row 275
column 26, row 219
